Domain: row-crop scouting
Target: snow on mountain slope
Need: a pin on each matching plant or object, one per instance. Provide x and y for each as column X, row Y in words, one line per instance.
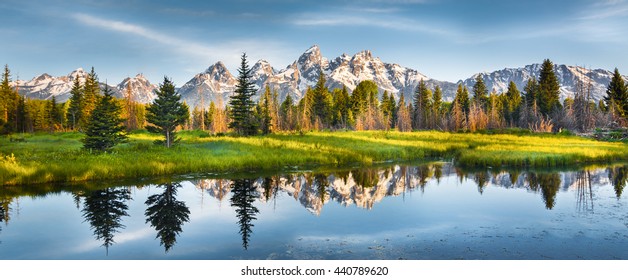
column 140, row 89
column 217, row 83
column 568, row 78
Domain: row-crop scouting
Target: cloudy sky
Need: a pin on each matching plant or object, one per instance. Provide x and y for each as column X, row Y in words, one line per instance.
column 443, row 39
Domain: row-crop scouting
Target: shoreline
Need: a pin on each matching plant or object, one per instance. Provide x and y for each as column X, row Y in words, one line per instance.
column 58, row 158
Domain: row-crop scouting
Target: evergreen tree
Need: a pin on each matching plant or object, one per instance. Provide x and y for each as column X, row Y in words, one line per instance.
column 167, row 214
column 462, row 98
column 22, row 115
column 422, row 97
column 167, row 112
column 361, row 95
column 437, row 103
column 393, row 110
column 385, row 108
column 288, row 113
column 321, row 101
column 531, row 92
column 54, row 115
column 617, row 94
column 404, row 118
column 8, row 103
column 549, row 89
column 104, row 129
column 242, row 198
column 76, row 104
column 265, row 114
column 340, row 107
column 104, row 209
column 513, row 103
column 209, row 115
column 480, row 92
column 241, row 103
column 91, row 91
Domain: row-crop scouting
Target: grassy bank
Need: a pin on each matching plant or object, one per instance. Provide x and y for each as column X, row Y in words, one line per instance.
column 58, row 158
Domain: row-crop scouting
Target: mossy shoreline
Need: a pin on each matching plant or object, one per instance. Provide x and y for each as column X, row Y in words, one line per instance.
column 45, row 158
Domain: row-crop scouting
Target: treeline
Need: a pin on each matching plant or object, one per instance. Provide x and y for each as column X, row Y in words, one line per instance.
column 536, row 107
column 21, row 115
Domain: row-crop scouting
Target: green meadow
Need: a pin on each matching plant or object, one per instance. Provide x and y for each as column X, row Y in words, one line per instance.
column 59, row 157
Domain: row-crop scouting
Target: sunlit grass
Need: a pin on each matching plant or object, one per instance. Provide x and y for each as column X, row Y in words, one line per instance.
column 59, row 157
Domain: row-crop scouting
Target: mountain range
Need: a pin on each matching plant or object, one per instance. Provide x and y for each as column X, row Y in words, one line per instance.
column 217, row 83
column 350, row 190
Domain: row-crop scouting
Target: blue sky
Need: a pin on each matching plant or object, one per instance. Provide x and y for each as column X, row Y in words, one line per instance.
column 443, row 39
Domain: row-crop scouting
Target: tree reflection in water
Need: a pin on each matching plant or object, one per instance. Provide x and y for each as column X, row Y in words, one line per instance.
column 584, row 192
column 167, row 214
column 242, row 198
column 104, row 209
column 1, row 216
column 618, row 176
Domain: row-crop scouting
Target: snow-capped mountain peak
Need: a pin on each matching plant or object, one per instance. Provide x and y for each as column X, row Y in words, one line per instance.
column 216, row 83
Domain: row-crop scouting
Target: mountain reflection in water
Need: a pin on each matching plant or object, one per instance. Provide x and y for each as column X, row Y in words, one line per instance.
column 105, row 208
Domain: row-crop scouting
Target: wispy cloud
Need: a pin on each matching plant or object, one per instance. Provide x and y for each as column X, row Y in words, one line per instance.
column 395, row 23
column 196, row 52
column 180, row 45
column 188, row 12
column 605, row 10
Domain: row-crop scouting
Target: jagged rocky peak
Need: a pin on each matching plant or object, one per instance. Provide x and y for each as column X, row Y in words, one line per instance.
column 42, row 77
column 218, row 68
column 311, row 57
column 262, row 66
column 79, row 72
column 364, row 54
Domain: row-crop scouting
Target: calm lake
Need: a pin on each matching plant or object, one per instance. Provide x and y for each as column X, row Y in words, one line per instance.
column 417, row 211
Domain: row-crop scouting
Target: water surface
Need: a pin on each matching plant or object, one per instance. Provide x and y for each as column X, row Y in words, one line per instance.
column 423, row 211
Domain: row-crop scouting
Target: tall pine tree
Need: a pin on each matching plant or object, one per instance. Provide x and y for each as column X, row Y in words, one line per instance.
column 480, row 92
column 549, row 89
column 462, row 98
column 321, row 102
column 513, row 103
column 617, row 95
column 241, row 104
column 167, row 112
column 266, row 110
column 76, row 104
column 9, row 99
column 422, row 100
column 104, row 128
column 91, row 91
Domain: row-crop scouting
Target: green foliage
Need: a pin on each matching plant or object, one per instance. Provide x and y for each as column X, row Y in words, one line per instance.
column 241, row 104
column 76, row 105
column 167, row 214
column 513, row 103
column 242, row 198
column 265, row 114
column 341, row 108
column 549, row 89
column 104, row 209
column 104, row 129
column 437, row 101
column 91, row 91
column 363, row 95
column 480, row 92
column 421, row 105
column 59, row 158
column 462, row 98
column 9, row 99
column 167, row 112
column 321, row 102
column 617, row 95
